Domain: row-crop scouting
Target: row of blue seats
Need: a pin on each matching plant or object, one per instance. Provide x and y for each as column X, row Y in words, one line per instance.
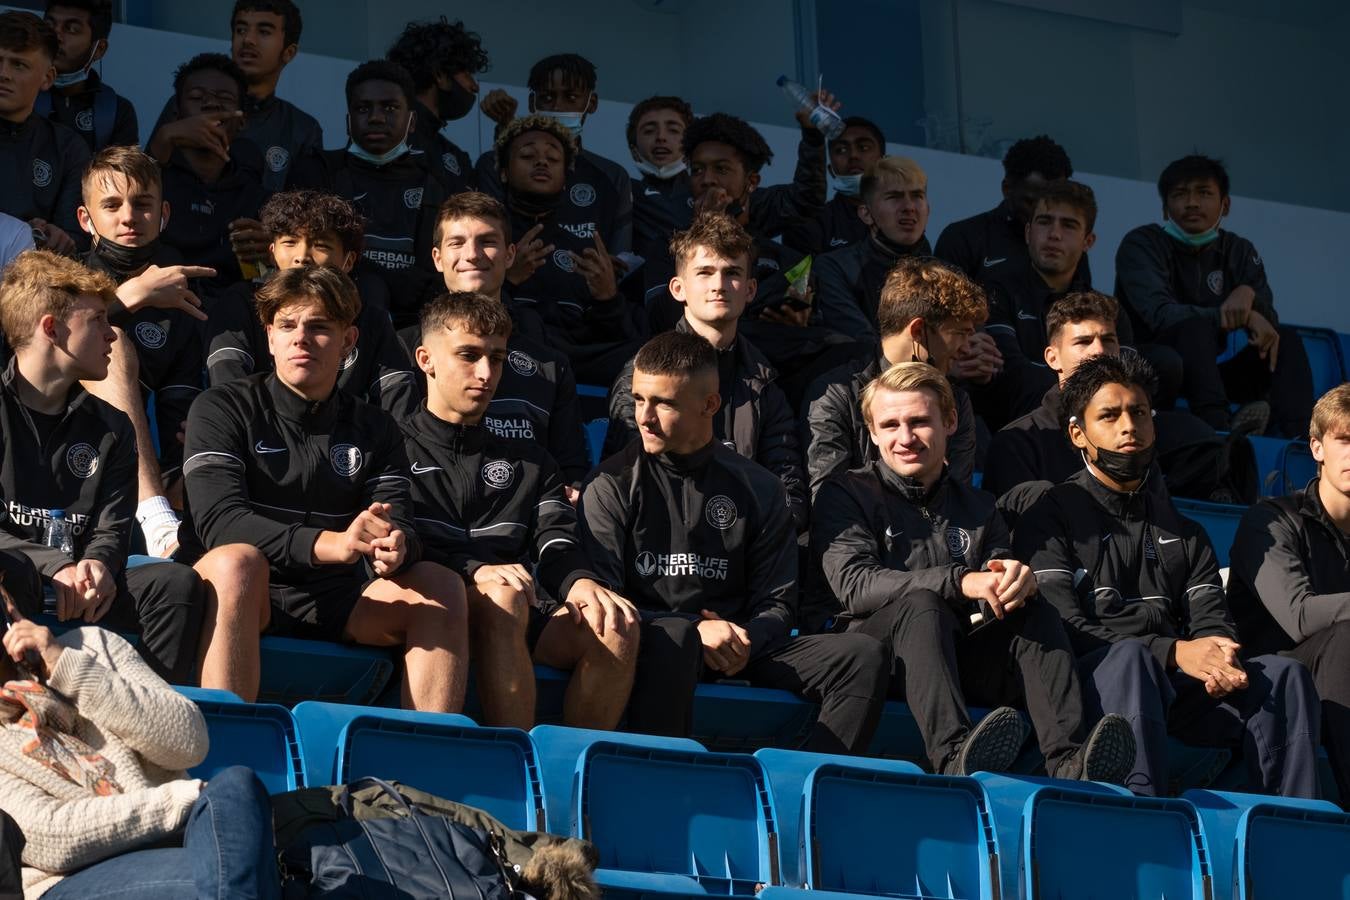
column 670, row 817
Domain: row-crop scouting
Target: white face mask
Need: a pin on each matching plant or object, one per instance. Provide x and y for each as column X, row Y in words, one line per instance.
column 572, row 121
column 661, row 173
column 80, row 75
column 382, row 159
column 848, row 185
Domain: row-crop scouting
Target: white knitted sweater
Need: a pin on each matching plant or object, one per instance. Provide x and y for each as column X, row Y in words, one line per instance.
column 142, row 726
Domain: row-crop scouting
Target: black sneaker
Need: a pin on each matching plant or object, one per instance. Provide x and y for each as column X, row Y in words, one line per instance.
column 1250, row 418
column 1107, row 755
column 992, row 745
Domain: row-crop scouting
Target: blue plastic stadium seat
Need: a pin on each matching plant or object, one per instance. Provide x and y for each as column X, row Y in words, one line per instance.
column 294, row 670
column 787, row 771
column 669, row 821
column 1324, row 357
column 596, row 429
column 490, row 768
column 557, row 750
column 321, row 726
column 1297, row 467
column 209, row 695
column 897, row 834
column 741, row 718
column 261, row 736
column 1108, row 846
column 1220, row 521
column 593, row 400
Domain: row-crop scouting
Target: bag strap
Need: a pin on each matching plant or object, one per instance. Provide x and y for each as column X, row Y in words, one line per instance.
column 345, row 798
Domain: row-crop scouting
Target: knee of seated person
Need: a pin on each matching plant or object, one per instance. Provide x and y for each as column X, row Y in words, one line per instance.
column 1131, row 659
column 1288, row 677
column 621, row 639
column 432, row 584
column 487, row 604
column 232, row 564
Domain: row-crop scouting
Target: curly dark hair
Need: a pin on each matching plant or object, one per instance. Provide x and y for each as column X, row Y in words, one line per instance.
column 924, row 287
column 218, row 62
column 501, row 150
column 1192, row 168
column 312, row 213
column 284, row 8
column 739, row 134
column 381, row 70
column 679, row 106
column 429, row 49
column 1128, row 369
column 575, row 69
column 1037, row 154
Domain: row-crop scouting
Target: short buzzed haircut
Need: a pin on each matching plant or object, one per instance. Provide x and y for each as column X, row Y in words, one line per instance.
column 927, row 288
column 139, row 169
column 382, row 70
column 501, row 150
column 476, row 313
column 676, row 354
column 39, row 283
column 471, row 205
column 1093, row 374
column 1073, row 194
column 717, row 232
column 1080, row 306
column 910, row 376
column 21, row 32
column 1331, row 415
column 330, row 288
column 891, row 168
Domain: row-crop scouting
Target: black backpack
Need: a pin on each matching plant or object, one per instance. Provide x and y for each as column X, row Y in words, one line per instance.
column 11, row 859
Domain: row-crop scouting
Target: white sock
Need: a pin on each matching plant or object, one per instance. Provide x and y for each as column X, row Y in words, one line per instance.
column 156, row 511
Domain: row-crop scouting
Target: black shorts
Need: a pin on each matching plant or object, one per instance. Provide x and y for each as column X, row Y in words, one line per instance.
column 316, row 611
column 535, row 628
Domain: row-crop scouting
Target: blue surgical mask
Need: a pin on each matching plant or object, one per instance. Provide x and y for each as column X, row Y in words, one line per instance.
column 572, row 121
column 1203, row 239
column 661, row 173
column 848, row 185
column 383, row 159
column 79, row 76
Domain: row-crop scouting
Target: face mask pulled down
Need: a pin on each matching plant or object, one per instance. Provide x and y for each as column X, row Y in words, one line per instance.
column 1122, row 468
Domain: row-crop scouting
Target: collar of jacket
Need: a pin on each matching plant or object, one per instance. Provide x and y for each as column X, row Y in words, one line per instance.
column 686, row 463
column 308, row 413
column 457, row 438
column 887, row 249
column 13, row 131
column 74, row 397
column 1122, row 504
column 911, row 490
column 751, row 364
column 1309, row 504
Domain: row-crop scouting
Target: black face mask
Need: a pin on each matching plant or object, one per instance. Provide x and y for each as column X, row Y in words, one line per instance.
column 124, row 261
column 1122, row 468
column 455, row 103
column 536, row 206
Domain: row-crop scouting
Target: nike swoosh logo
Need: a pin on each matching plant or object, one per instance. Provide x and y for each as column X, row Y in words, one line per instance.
column 651, row 192
column 363, row 196
column 1027, row 316
column 993, row 262
column 422, row 470
column 892, row 534
column 261, row 448
column 1168, row 540
column 1105, row 538
column 838, row 242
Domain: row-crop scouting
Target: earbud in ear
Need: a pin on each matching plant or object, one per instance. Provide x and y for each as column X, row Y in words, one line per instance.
column 1073, row 420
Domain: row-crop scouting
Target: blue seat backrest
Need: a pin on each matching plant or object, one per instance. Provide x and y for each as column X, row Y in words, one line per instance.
column 1324, row 358
column 258, row 735
column 1220, row 521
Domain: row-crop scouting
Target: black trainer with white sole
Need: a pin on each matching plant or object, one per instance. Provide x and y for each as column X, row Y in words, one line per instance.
column 992, row 745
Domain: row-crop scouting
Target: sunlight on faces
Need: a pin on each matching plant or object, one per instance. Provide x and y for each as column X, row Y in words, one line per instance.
column 258, row 43
column 123, row 211
column 909, row 432
column 23, row 75
column 308, row 347
column 473, row 255
column 536, row 164
column 1333, row 453
column 1077, row 341
column 84, row 340
column 898, row 209
column 1057, row 237
column 941, row 345
column 714, row 290
column 1118, row 417
column 1196, row 205
column 292, row 251
column 715, row 164
column 673, row 412
column 462, row 371
column 659, row 135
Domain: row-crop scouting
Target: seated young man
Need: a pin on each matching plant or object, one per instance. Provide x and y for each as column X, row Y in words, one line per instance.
column 1032, row 452
column 442, row 58
column 298, row 515
column 928, row 313
column 210, row 190
column 41, row 164
column 494, row 510
column 1138, row 587
column 396, row 188
column 562, row 268
column 78, row 98
column 310, row 228
column 264, row 39
column 124, row 214
column 1289, row 585
column 563, row 88
column 713, row 281
column 922, row 563
column 841, row 223
column 71, row 452
column 893, row 202
column 1189, row 285
column 701, row 540
column 662, row 201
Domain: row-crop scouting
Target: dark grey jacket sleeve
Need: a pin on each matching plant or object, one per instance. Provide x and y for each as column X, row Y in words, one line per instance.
column 774, row 208
column 602, row 526
column 961, row 445
column 772, row 573
column 836, row 304
column 566, row 432
column 1143, row 282
column 1267, row 559
column 1206, row 605
column 558, row 557
column 622, row 427
column 780, row 453
column 829, row 435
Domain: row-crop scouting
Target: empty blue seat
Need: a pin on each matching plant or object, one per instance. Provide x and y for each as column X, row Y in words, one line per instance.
column 596, row 429
column 897, row 834
column 321, row 726
column 787, row 771
column 295, row 670
column 1104, row 845
column 741, row 718
column 490, row 768
column 1283, row 851
column 261, row 736
column 1324, row 357
column 1220, row 521
column 557, row 750
column 214, row 695
column 1297, row 467
column 671, row 821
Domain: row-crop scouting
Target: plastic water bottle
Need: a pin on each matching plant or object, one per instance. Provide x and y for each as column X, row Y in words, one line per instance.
column 822, row 118
column 58, row 538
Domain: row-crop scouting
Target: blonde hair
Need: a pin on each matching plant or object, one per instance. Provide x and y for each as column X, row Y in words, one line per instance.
column 39, row 283
column 891, row 168
column 1332, row 413
column 910, row 376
